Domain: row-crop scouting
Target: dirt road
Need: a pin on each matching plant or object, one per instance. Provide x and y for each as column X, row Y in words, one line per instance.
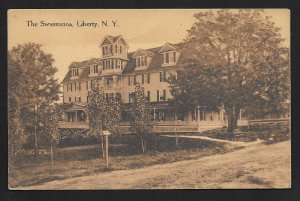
column 256, row 166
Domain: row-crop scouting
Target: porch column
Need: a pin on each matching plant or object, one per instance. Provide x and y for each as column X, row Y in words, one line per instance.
column 198, row 115
column 240, row 114
column 76, row 116
column 189, row 116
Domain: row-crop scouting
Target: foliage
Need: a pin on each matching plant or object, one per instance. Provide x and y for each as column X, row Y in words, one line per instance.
column 235, row 59
column 142, row 122
column 104, row 111
column 31, row 86
column 49, row 124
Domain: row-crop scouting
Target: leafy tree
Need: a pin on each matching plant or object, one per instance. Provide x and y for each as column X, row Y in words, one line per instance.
column 16, row 137
column 141, row 122
column 35, row 87
column 49, row 123
column 104, row 111
column 235, row 59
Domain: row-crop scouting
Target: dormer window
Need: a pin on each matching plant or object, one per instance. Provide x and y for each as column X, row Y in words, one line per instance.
column 107, row 49
column 74, row 72
column 95, row 68
column 140, row 61
column 168, row 57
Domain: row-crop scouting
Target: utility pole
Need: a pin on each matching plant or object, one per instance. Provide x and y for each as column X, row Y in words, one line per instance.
column 176, row 137
column 105, row 135
column 35, row 128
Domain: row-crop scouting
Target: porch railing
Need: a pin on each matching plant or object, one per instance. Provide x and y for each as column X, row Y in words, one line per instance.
column 78, row 124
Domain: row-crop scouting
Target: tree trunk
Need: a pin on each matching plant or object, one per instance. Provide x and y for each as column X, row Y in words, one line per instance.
column 232, row 116
column 51, row 153
column 102, row 143
column 142, row 143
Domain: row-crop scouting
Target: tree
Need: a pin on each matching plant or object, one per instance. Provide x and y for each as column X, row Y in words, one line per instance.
column 104, row 111
column 235, row 59
column 141, row 122
column 16, row 137
column 49, row 122
column 35, row 86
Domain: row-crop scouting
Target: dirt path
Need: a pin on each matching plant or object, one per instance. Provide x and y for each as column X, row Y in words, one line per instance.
column 234, row 143
column 257, row 166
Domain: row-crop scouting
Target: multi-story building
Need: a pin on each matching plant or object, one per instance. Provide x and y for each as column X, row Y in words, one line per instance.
column 118, row 71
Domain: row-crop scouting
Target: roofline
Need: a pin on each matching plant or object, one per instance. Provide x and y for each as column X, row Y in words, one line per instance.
column 144, row 51
column 123, row 40
column 165, row 45
column 105, row 37
column 91, row 60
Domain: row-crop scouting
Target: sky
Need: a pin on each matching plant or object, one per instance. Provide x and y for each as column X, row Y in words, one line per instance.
column 140, row 28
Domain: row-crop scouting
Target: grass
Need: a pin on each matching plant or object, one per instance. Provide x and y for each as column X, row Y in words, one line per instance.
column 125, row 153
column 270, row 133
column 75, row 161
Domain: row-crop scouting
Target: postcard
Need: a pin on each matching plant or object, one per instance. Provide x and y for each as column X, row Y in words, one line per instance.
column 149, row 99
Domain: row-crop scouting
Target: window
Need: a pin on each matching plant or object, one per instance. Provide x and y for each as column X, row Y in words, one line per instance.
column 87, row 99
column 167, row 57
column 119, row 63
column 71, row 87
column 79, row 99
column 129, row 98
column 174, row 56
column 70, row 117
column 79, row 86
column 87, row 85
column 67, row 86
column 142, row 78
column 120, row 49
column 148, row 78
column 111, row 49
column 140, row 61
column 74, row 72
column 70, row 99
column 116, row 48
column 108, row 82
column 129, row 80
column 95, row 68
column 104, row 50
column 75, row 99
column 162, row 76
column 161, row 95
column 89, row 68
column 148, row 96
column 134, row 80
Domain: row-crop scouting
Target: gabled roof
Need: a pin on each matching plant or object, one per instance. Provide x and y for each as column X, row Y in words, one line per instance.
column 155, row 64
column 168, row 47
column 76, row 64
column 112, row 40
column 93, row 61
column 141, row 52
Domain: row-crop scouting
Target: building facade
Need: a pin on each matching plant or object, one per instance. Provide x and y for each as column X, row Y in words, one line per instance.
column 118, row 71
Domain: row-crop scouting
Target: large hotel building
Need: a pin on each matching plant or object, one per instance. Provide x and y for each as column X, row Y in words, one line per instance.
column 118, row 72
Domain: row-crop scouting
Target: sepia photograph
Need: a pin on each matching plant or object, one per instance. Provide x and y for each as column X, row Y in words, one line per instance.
column 148, row 99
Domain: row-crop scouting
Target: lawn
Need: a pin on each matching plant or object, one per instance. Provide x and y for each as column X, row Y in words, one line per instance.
column 125, row 153
column 86, row 160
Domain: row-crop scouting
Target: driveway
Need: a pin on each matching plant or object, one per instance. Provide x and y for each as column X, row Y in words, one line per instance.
column 256, row 166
